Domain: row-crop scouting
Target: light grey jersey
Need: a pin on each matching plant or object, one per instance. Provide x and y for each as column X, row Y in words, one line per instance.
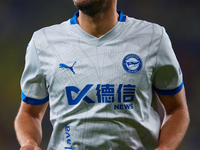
column 101, row 90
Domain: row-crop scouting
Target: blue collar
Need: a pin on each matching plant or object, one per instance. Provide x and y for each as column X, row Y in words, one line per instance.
column 122, row 17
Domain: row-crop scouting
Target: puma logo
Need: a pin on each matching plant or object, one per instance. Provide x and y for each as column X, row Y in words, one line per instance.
column 67, row 67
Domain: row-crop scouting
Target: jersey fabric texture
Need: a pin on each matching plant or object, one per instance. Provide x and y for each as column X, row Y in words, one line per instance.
column 101, row 91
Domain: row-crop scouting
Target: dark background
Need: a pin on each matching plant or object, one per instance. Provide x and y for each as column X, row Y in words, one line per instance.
column 20, row 18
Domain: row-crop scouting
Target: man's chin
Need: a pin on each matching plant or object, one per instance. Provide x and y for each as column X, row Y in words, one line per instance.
column 90, row 7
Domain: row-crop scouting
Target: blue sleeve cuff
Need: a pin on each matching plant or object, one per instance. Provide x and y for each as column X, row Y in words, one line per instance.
column 168, row 92
column 34, row 101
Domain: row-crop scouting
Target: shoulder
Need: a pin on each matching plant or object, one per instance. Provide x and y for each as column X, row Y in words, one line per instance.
column 44, row 36
column 144, row 27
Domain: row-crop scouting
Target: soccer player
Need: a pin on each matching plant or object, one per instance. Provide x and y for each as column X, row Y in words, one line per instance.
column 99, row 72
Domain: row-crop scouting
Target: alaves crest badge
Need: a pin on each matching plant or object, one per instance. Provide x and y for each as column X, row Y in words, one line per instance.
column 132, row 63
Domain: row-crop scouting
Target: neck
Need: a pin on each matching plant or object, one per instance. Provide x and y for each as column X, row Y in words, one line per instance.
column 99, row 24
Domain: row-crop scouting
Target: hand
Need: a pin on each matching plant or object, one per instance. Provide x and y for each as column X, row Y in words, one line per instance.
column 30, row 147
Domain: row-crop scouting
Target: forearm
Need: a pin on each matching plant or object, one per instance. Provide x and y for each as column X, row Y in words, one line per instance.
column 173, row 130
column 28, row 129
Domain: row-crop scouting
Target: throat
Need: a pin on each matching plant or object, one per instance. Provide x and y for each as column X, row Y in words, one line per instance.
column 99, row 24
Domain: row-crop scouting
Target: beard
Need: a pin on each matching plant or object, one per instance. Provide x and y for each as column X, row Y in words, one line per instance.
column 91, row 7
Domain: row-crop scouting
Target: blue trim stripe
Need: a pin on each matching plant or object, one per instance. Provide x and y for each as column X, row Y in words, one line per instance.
column 73, row 20
column 122, row 17
column 169, row 92
column 34, row 101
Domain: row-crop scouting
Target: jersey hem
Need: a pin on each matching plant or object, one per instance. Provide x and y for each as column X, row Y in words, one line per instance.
column 34, row 101
column 169, row 92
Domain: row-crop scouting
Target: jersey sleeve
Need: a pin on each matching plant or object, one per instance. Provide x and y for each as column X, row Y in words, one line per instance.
column 168, row 79
column 33, row 84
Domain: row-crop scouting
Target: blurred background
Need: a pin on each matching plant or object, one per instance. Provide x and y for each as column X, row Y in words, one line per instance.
column 20, row 18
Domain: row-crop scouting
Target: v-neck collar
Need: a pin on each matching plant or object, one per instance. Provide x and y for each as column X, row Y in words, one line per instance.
column 90, row 39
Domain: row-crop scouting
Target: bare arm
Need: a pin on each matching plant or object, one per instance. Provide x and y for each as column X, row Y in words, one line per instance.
column 177, row 121
column 28, row 125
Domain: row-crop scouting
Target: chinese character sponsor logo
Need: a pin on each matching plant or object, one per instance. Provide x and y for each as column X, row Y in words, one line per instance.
column 105, row 93
column 80, row 94
column 132, row 63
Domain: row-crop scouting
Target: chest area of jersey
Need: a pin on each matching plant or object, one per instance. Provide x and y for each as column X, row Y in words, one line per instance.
column 117, row 63
column 97, row 75
column 105, row 64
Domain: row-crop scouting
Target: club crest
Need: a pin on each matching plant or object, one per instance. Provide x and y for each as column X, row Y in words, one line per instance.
column 132, row 63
